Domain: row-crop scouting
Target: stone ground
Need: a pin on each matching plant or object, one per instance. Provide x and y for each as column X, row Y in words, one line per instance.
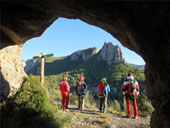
column 91, row 118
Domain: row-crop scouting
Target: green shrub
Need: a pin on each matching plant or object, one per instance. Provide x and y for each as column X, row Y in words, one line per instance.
column 90, row 101
column 73, row 98
column 32, row 95
column 114, row 107
column 30, row 107
column 117, row 105
column 144, row 105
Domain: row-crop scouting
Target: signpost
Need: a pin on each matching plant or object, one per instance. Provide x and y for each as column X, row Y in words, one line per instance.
column 42, row 57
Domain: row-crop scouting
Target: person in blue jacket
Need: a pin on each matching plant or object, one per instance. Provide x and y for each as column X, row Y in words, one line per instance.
column 80, row 91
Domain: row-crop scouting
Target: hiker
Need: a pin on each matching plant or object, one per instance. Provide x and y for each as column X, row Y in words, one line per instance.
column 80, row 91
column 104, row 89
column 65, row 89
column 131, row 92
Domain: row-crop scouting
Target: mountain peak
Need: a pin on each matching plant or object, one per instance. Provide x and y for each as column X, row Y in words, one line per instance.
column 110, row 53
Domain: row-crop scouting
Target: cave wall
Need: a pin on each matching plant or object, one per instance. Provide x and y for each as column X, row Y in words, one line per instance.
column 11, row 70
column 143, row 27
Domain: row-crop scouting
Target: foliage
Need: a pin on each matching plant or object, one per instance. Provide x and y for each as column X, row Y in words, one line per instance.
column 92, row 69
column 31, row 104
column 144, row 105
column 73, row 98
column 32, row 95
column 90, row 101
column 101, row 121
column 114, row 107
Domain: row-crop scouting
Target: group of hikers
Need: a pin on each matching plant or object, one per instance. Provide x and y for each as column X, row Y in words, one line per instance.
column 130, row 92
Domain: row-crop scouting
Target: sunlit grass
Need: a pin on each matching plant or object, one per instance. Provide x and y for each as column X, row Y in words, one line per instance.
column 101, row 121
column 90, row 105
column 105, row 116
column 112, row 110
column 81, row 115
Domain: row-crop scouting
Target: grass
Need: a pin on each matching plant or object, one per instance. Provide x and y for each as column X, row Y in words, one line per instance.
column 64, row 119
column 81, row 115
column 104, row 116
column 112, row 110
column 101, row 121
column 90, row 105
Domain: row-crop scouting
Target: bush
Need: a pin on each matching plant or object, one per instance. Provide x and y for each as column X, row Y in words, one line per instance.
column 114, row 107
column 90, row 101
column 30, row 107
column 73, row 98
column 32, row 95
column 144, row 105
column 117, row 105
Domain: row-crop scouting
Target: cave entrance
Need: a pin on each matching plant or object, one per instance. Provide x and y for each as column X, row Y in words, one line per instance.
column 137, row 25
column 63, row 38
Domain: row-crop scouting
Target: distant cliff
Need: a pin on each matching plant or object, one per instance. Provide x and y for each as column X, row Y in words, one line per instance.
column 109, row 52
column 84, row 54
column 32, row 66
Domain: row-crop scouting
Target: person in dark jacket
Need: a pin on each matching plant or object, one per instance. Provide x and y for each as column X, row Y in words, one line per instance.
column 80, row 91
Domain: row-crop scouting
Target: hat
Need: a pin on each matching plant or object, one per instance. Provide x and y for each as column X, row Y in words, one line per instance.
column 65, row 78
column 81, row 78
column 103, row 79
column 130, row 78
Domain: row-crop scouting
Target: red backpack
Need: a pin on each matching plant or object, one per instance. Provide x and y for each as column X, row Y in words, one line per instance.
column 80, row 88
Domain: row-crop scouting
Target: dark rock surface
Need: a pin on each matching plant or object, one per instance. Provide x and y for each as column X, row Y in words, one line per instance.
column 143, row 27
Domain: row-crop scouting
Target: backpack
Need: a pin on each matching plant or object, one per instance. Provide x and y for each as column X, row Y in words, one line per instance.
column 132, row 87
column 80, row 88
column 107, row 88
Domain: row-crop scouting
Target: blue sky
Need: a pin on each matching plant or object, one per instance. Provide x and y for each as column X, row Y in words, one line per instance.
column 66, row 36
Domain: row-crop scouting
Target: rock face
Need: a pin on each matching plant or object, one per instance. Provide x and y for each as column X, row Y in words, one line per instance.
column 11, row 70
column 140, row 26
column 110, row 53
column 30, row 64
column 84, row 54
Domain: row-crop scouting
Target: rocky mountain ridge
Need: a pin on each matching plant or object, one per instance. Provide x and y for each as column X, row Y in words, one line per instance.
column 109, row 52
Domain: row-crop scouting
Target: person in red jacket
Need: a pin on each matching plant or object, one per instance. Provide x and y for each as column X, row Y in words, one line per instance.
column 131, row 92
column 102, row 94
column 65, row 89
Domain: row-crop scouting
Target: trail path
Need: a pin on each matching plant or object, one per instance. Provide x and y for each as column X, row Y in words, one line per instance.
column 91, row 118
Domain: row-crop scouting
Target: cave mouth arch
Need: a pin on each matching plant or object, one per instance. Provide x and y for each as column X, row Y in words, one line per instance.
column 65, row 36
column 137, row 25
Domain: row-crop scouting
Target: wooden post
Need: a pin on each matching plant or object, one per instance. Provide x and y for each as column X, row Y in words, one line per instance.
column 42, row 69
